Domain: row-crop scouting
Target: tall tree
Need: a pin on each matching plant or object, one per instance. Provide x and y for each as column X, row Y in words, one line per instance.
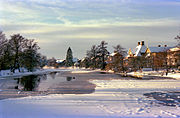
column 30, row 55
column 103, row 53
column 92, row 55
column 119, row 49
column 3, row 42
column 42, row 61
column 118, row 61
column 19, row 52
column 3, row 46
column 69, row 58
column 18, row 44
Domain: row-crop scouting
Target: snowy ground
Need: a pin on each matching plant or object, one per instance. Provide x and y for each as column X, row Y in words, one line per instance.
column 175, row 75
column 112, row 98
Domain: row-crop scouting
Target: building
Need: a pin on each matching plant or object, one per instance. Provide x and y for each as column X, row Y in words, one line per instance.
column 138, row 51
column 152, row 57
column 134, row 58
column 173, row 57
column 156, row 57
column 60, row 62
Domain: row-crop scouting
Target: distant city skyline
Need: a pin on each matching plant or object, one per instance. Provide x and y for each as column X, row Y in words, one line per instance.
column 79, row 24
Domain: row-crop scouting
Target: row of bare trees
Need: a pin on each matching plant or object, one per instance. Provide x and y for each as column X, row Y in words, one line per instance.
column 19, row 52
column 97, row 57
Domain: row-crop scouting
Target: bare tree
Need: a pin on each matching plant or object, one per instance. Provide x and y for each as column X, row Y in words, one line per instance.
column 19, row 52
column 3, row 45
column 103, row 53
column 178, row 40
column 3, row 42
column 119, row 49
column 42, row 61
column 18, row 44
column 118, row 60
column 92, row 55
column 30, row 56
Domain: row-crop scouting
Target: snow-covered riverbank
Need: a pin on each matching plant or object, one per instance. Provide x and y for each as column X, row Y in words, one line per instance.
column 142, row 74
column 112, row 98
column 7, row 73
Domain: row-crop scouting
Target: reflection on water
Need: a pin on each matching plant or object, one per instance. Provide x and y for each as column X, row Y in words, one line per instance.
column 103, row 72
column 70, row 78
column 53, row 83
column 53, row 75
column 29, row 83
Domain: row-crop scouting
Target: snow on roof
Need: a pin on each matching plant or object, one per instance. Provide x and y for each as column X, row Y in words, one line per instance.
column 158, row 49
column 83, row 59
column 175, row 49
column 143, row 49
column 59, row 60
column 139, row 50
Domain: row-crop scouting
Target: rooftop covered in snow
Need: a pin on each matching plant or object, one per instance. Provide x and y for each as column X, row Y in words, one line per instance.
column 158, row 49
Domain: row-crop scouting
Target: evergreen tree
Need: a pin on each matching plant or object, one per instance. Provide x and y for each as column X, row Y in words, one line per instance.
column 69, row 58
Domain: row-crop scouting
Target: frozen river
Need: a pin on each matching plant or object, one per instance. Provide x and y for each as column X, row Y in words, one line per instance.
column 93, row 94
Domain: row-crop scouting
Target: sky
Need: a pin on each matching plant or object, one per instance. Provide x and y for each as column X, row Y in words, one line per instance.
column 79, row 24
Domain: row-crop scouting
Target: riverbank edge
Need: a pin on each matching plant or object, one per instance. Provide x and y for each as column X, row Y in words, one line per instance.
column 37, row 72
column 136, row 75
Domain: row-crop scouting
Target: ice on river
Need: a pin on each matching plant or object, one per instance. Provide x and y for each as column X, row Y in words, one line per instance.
column 112, row 98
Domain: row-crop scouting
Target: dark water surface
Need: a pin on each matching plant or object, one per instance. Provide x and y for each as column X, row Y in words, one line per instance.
column 52, row 83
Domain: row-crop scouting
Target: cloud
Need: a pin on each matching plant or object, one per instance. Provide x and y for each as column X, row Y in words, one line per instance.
column 82, row 23
column 90, row 12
